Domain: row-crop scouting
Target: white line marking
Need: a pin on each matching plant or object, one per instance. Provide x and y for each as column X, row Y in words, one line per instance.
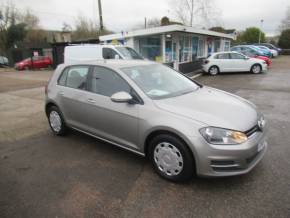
column 195, row 76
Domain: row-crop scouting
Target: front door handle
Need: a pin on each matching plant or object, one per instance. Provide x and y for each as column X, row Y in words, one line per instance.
column 61, row 93
column 91, row 101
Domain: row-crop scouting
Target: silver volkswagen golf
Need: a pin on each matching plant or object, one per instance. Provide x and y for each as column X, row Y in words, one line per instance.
column 183, row 127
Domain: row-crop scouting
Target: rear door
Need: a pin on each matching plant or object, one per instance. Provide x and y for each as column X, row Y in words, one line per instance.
column 72, row 95
column 224, row 62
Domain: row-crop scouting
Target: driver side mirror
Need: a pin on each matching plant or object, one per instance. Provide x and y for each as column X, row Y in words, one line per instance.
column 121, row 97
column 117, row 57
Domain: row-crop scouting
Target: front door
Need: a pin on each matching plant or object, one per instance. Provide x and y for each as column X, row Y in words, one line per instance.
column 117, row 122
column 239, row 62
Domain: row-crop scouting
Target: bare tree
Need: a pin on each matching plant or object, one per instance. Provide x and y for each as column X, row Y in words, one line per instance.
column 84, row 29
column 196, row 12
column 150, row 22
column 285, row 23
column 153, row 22
column 8, row 17
column 31, row 21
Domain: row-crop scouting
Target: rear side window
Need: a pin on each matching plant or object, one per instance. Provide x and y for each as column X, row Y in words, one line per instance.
column 237, row 56
column 107, row 82
column 109, row 53
column 222, row 56
column 74, row 77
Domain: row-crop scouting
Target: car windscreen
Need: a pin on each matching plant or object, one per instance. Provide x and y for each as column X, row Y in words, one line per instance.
column 158, row 81
column 129, row 53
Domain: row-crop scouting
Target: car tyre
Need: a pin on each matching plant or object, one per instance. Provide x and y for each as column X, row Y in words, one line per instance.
column 256, row 69
column 171, row 158
column 213, row 70
column 56, row 121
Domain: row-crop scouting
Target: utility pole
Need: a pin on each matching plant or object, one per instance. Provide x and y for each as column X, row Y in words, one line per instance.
column 145, row 23
column 260, row 33
column 101, row 16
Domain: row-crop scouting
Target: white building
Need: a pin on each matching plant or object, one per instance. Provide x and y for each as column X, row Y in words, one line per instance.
column 176, row 45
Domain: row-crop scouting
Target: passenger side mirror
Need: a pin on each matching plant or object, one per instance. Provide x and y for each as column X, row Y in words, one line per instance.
column 121, row 97
column 117, row 57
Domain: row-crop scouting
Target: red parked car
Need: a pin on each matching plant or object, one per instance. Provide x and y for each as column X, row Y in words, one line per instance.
column 264, row 58
column 35, row 62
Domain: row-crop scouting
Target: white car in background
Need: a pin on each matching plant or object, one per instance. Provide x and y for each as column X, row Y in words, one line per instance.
column 233, row 62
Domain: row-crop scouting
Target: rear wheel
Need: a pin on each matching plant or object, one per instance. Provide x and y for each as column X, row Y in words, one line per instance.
column 256, row 68
column 214, row 70
column 56, row 121
column 171, row 158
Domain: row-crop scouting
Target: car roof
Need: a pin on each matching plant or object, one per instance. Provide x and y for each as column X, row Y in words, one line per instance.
column 113, row 63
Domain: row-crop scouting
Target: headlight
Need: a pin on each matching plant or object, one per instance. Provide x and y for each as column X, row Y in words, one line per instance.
column 219, row 136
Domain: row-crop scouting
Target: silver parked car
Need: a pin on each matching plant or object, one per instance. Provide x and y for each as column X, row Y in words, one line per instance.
column 181, row 126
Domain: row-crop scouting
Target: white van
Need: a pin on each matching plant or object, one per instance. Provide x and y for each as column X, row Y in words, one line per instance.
column 77, row 53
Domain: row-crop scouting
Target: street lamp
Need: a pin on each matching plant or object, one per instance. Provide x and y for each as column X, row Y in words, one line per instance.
column 260, row 32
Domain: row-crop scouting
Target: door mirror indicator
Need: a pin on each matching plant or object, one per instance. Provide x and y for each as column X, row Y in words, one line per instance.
column 121, row 97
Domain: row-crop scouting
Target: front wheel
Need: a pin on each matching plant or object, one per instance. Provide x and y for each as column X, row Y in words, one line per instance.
column 256, row 68
column 56, row 121
column 171, row 158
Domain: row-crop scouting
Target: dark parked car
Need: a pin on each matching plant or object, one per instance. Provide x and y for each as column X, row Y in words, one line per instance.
column 4, row 61
column 270, row 46
column 35, row 62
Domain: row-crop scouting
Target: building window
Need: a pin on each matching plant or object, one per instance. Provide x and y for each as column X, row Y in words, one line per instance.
column 217, row 45
column 185, row 49
column 168, row 51
column 150, row 47
column 194, row 47
column 200, row 52
column 227, row 46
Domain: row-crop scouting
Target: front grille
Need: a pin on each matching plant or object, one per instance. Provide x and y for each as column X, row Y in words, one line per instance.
column 252, row 130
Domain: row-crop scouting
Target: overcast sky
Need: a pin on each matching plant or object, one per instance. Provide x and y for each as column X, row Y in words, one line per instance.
column 123, row 15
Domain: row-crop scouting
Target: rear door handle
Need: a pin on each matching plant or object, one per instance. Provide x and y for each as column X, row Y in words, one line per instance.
column 91, row 101
column 61, row 93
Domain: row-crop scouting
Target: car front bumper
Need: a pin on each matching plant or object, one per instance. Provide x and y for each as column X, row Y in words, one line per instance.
column 265, row 67
column 229, row 160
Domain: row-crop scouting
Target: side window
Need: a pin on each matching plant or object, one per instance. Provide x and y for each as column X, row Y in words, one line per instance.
column 237, row 56
column 222, row 56
column 77, row 77
column 109, row 53
column 107, row 82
